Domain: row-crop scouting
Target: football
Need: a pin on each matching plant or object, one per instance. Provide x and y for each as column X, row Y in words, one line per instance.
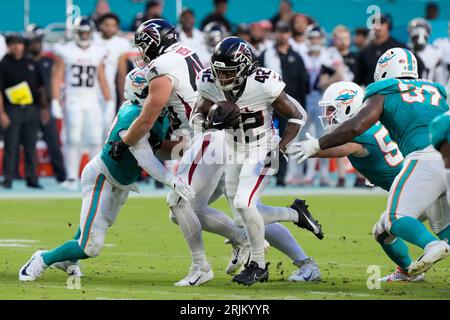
column 224, row 115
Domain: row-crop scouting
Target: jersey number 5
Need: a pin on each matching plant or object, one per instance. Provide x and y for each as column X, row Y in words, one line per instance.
column 390, row 149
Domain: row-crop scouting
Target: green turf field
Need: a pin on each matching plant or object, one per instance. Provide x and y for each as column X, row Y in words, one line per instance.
column 145, row 255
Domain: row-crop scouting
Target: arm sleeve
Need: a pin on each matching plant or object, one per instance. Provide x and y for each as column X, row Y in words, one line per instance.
column 144, row 155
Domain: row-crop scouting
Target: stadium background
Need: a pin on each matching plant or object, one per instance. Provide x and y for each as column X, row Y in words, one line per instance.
column 328, row 13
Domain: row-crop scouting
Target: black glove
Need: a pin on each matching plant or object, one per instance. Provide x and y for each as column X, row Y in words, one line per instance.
column 223, row 121
column 118, row 149
column 155, row 141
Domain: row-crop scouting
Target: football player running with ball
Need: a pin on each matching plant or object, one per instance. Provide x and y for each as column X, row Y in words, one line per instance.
column 405, row 105
column 257, row 92
column 106, row 184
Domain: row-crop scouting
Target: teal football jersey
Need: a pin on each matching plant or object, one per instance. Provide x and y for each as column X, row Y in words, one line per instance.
column 127, row 170
column 409, row 107
column 440, row 130
column 384, row 160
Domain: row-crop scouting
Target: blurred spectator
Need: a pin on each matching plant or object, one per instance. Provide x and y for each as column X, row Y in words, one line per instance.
column 116, row 46
column 243, row 32
column 101, row 8
column 419, row 31
column 431, row 11
column 191, row 36
column 285, row 13
column 218, row 15
column 443, row 44
column 342, row 41
column 368, row 57
column 214, row 33
column 287, row 62
column 49, row 131
column 323, row 67
column 153, row 10
column 259, row 36
column 299, row 23
column 22, row 104
column 360, row 38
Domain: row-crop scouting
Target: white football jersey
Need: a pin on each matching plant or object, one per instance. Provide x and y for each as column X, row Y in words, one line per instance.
column 443, row 45
column 254, row 99
column 81, row 68
column 431, row 57
column 181, row 65
column 114, row 47
column 313, row 64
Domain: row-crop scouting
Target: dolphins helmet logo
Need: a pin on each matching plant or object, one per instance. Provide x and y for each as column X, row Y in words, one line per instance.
column 346, row 96
column 385, row 60
column 138, row 79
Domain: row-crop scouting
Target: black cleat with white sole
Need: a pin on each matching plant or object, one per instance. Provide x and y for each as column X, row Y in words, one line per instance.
column 305, row 219
column 251, row 274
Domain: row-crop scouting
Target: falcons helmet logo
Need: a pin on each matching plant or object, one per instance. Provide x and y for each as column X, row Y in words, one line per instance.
column 243, row 53
column 149, row 32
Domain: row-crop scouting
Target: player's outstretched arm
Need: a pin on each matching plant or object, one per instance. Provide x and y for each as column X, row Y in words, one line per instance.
column 345, row 150
column 159, row 90
column 366, row 117
column 291, row 109
column 146, row 159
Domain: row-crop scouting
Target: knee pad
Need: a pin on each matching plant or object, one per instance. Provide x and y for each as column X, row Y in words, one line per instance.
column 94, row 245
column 172, row 217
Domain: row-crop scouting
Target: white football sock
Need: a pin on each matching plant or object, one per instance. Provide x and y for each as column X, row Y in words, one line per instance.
column 192, row 231
column 254, row 227
column 217, row 222
column 281, row 238
column 277, row 214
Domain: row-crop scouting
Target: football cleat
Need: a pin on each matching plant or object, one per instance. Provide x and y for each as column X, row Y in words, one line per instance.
column 305, row 219
column 69, row 267
column 434, row 252
column 400, row 275
column 240, row 256
column 33, row 268
column 308, row 271
column 197, row 276
column 251, row 274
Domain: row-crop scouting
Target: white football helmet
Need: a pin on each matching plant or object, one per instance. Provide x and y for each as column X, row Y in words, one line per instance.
column 396, row 63
column 83, row 28
column 340, row 101
column 136, row 85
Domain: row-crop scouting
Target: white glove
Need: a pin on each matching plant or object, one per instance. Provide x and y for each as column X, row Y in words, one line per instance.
column 56, row 109
column 110, row 112
column 304, row 149
column 182, row 188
